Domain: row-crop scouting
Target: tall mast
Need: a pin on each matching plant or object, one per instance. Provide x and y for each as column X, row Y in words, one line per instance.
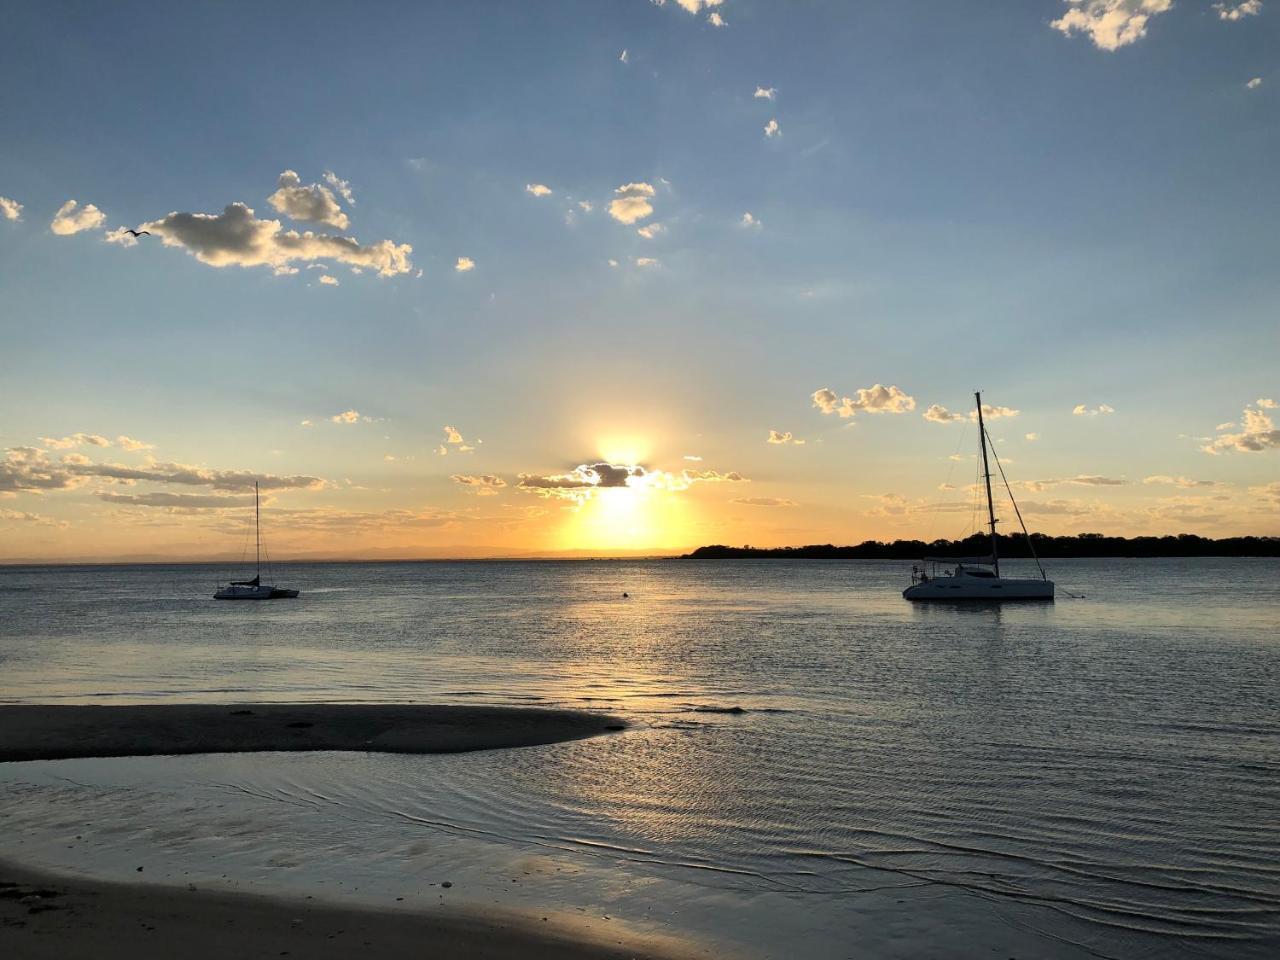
column 986, row 475
column 257, row 530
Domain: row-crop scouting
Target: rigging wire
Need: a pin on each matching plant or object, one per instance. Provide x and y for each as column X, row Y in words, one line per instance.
column 937, row 504
column 1009, row 490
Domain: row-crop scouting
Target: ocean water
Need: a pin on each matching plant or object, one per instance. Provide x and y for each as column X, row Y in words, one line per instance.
column 1090, row 778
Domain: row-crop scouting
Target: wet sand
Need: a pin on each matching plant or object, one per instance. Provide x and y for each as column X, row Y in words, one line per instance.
column 47, row 916
column 44, row 732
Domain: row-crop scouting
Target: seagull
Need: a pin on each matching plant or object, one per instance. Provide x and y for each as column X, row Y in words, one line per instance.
column 139, row 233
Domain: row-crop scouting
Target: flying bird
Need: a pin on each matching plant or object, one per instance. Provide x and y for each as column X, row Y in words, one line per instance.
column 139, row 233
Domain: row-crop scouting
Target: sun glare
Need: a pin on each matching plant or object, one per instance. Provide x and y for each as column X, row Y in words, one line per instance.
column 626, row 519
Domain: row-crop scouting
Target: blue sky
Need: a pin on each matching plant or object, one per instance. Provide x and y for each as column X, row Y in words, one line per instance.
column 959, row 196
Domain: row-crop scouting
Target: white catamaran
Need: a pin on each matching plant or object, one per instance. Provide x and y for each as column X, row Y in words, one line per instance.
column 254, row 589
column 978, row 578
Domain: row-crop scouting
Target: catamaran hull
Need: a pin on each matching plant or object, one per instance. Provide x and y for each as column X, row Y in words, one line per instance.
column 989, row 589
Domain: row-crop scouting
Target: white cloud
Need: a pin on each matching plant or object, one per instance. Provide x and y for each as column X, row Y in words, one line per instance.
column 631, row 203
column 937, row 413
column 716, row 20
column 351, row 416
column 771, row 129
column 1185, row 482
column 1110, row 24
column 343, row 187
column 778, row 436
column 613, row 262
column 1033, row 437
column 312, row 202
column 464, row 265
column 1257, row 432
column 128, row 443
column 585, row 206
column 537, row 189
column 455, row 439
column 10, row 209
column 644, row 262
column 651, row 230
column 1238, row 11
column 72, row 218
column 749, row 221
column 875, row 399
column 483, row 485
column 624, row 57
column 328, row 281
column 30, row 470
column 1102, row 409
column 1254, row 84
column 236, row 237
column 766, row 93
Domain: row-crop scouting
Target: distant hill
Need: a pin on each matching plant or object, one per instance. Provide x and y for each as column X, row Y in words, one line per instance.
column 1081, row 545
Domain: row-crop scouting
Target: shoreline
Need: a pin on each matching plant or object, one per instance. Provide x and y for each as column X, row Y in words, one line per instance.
column 62, row 732
column 52, row 916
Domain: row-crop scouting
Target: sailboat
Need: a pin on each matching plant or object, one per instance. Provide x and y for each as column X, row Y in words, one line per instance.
column 254, row 589
column 978, row 578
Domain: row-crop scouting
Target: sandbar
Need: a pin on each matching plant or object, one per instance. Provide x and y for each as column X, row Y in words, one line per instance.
column 58, row 732
column 46, row 916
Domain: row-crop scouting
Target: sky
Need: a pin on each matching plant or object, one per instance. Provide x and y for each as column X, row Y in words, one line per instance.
column 620, row 276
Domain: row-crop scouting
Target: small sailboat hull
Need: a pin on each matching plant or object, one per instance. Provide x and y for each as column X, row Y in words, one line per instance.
column 248, row 592
column 988, row 589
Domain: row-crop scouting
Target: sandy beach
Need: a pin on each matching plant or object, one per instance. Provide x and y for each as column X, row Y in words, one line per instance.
column 45, row 916
column 55, row 732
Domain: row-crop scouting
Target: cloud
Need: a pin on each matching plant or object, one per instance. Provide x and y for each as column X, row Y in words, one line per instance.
column 585, row 206
column 537, row 189
column 343, row 187
column 30, row 469
column 464, row 265
column 22, row 516
column 716, row 20
column 1270, row 491
column 1032, row 437
column 1257, row 432
column 10, row 209
column 328, row 281
column 749, row 222
column 348, row 417
column 1253, row 84
column 1238, row 11
column 1110, row 24
column 484, row 485
column 76, row 440
column 766, row 93
column 651, row 230
column 312, row 202
column 181, row 501
column 72, row 218
column 776, row 436
column 1184, row 482
column 876, row 399
column 128, row 443
column 644, row 262
column 764, row 502
column 624, row 57
column 691, row 6
column 631, row 202
column 1090, row 480
column 455, row 439
column 940, row 414
column 584, row 480
column 771, row 129
column 236, row 237
column 1102, row 409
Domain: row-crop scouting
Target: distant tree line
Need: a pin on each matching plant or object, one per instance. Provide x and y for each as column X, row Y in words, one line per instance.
column 1080, row 545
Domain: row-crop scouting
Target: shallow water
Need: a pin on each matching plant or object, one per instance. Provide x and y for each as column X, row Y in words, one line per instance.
column 1095, row 777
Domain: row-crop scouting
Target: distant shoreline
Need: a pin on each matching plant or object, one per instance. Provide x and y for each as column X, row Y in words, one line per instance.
column 1087, row 546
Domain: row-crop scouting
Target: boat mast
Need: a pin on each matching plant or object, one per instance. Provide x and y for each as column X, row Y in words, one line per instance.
column 257, row 531
column 986, row 475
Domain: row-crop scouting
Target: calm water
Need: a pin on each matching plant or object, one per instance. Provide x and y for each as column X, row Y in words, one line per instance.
column 1095, row 777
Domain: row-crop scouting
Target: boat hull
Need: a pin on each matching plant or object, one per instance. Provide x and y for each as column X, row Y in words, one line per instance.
column 986, row 589
column 254, row 593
